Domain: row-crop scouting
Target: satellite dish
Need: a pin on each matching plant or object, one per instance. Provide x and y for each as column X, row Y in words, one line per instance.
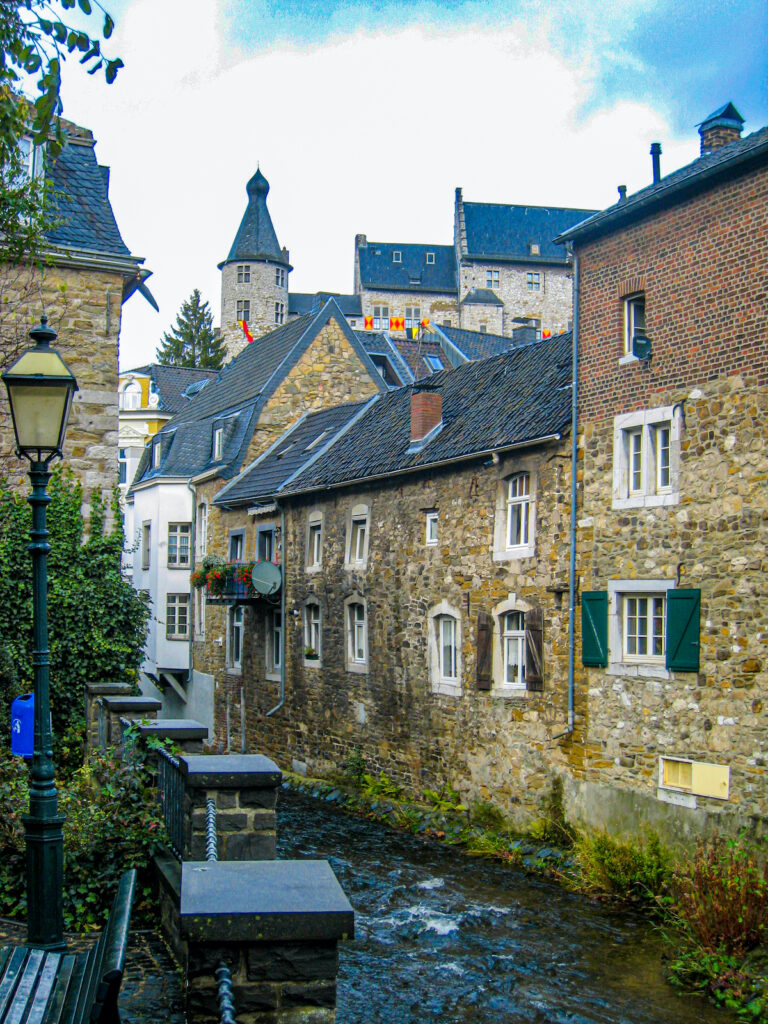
column 266, row 578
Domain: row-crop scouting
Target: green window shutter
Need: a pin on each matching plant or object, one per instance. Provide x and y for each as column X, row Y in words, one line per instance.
column 683, row 613
column 594, row 628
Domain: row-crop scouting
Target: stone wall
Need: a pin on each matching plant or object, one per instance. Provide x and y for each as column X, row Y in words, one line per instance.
column 487, row 745
column 84, row 308
column 552, row 303
column 262, row 291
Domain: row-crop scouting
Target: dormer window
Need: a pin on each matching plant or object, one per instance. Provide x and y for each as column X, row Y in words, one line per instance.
column 156, row 453
column 130, row 396
column 397, row 256
column 30, row 163
column 218, row 443
column 430, row 258
column 534, row 248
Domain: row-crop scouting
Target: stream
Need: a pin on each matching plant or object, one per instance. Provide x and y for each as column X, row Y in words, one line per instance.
column 448, row 938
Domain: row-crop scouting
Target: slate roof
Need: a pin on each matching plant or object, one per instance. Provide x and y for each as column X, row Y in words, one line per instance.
column 82, row 214
column 413, row 273
column 414, row 353
column 305, row 302
column 381, row 344
column 234, row 401
column 701, row 173
column 476, row 345
column 498, row 232
column 170, row 383
column 256, row 238
column 526, row 396
column 481, row 297
column 306, row 440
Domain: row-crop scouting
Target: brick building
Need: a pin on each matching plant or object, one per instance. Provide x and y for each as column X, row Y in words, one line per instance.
column 673, row 523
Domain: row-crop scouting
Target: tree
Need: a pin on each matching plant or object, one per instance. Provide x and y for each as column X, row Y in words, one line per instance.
column 96, row 620
column 192, row 342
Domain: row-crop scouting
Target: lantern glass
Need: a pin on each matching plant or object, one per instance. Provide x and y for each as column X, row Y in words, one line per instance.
column 40, row 413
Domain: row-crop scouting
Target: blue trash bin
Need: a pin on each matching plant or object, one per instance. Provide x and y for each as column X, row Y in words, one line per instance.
column 23, row 725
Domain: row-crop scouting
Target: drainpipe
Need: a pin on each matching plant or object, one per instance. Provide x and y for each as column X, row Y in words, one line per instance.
column 192, row 551
column 574, row 461
column 282, row 618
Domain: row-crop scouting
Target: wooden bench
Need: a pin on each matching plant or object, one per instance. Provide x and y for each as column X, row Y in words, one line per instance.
column 69, row 988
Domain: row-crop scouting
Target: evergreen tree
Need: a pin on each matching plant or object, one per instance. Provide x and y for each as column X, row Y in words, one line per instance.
column 192, row 341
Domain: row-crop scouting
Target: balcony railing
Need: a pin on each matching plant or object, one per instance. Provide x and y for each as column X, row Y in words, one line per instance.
column 234, row 581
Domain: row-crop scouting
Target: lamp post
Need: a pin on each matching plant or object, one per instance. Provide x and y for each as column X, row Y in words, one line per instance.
column 40, row 389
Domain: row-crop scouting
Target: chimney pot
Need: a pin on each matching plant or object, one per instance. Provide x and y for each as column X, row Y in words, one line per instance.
column 622, row 193
column 656, row 161
column 426, row 413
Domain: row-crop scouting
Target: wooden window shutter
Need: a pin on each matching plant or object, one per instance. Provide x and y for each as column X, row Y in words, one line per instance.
column 484, row 639
column 594, row 628
column 683, row 614
column 534, row 649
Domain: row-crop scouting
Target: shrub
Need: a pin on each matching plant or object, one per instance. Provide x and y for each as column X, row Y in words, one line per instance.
column 636, row 872
column 113, row 822
column 487, row 816
column 720, row 896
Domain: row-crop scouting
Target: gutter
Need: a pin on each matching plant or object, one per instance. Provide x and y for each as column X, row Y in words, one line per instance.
column 568, row 731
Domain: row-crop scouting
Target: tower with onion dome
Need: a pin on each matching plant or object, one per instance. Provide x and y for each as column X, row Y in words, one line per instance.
column 254, row 276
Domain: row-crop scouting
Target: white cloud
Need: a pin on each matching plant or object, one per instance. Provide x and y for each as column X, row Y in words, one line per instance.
column 370, row 133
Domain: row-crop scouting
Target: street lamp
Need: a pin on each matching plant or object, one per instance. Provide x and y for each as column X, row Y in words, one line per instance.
column 40, row 389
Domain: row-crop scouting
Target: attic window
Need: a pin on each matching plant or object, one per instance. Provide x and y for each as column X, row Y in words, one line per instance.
column 280, row 454
column 397, row 256
column 194, row 388
column 435, row 363
column 430, row 257
column 312, row 444
column 156, row 452
column 534, row 248
column 218, row 442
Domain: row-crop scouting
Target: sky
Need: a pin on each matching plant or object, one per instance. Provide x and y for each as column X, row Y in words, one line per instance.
column 366, row 115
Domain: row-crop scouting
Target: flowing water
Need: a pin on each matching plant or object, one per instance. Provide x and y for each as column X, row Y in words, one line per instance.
column 451, row 939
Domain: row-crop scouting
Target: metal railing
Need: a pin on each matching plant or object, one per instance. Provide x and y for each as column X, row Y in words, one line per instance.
column 170, row 784
column 222, row 973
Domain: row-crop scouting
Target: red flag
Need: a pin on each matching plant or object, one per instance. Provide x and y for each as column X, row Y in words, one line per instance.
column 246, row 332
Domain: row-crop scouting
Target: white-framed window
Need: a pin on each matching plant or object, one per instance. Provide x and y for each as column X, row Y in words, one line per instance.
column 634, row 319
column 243, row 274
column 431, row 529
column 29, row 158
column 689, row 779
column 519, row 510
column 515, row 526
column 491, row 279
column 513, row 650
column 312, row 633
column 533, row 281
column 177, row 617
column 122, row 466
column 646, row 458
column 218, row 443
column 130, row 396
column 534, row 248
column 280, row 278
column 235, row 638
column 200, row 613
column 274, row 642
column 146, row 544
column 397, row 256
column 179, row 538
column 201, row 529
column 412, row 316
column 244, row 309
column 315, row 542
column 157, row 451
column 637, row 615
column 356, row 630
column 430, row 258
column 236, row 547
column 357, row 537
column 381, row 318
column 444, row 649
column 434, row 363
column 279, row 312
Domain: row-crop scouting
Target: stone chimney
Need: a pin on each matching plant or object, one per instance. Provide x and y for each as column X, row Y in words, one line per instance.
column 426, row 413
column 720, row 128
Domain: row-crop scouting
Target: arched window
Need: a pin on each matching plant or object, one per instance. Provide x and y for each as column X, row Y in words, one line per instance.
column 130, row 397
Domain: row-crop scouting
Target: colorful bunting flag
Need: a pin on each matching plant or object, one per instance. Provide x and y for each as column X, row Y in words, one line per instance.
column 412, row 333
column 397, row 323
column 246, row 332
column 369, row 323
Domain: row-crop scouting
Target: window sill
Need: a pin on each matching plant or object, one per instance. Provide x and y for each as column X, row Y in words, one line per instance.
column 510, row 554
column 678, row 797
column 628, row 360
column 648, row 500
column 187, row 567
column 355, row 566
column 511, row 693
column 359, row 667
column 233, row 670
column 447, row 689
column 312, row 662
column 313, row 568
column 640, row 670
column 182, row 639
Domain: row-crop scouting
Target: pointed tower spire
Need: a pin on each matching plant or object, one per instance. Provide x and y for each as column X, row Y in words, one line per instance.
column 256, row 238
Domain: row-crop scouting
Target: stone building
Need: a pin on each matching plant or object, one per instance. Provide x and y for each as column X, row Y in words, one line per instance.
column 424, row 554
column 87, row 275
column 311, row 363
column 673, row 521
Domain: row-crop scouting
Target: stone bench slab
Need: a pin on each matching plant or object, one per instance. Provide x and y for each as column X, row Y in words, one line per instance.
column 256, row 901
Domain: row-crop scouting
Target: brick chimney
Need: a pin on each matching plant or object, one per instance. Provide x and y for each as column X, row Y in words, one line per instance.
column 426, row 413
column 721, row 127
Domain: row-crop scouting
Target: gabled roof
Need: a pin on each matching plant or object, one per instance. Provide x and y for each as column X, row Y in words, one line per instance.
column 707, row 170
column 81, row 213
column 481, row 297
column 526, row 397
column 171, row 382
column 412, row 273
column 235, row 399
column 379, row 343
column 306, row 440
column 256, row 238
column 305, row 302
column 477, row 345
column 498, row 232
